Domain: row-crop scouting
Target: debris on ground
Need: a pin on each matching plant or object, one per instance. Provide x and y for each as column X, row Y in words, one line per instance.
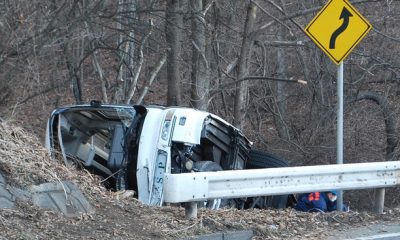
column 118, row 215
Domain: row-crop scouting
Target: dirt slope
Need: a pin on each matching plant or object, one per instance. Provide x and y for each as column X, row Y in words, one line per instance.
column 24, row 161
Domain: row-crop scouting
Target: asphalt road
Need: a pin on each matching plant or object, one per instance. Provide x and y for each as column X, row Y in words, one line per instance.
column 376, row 231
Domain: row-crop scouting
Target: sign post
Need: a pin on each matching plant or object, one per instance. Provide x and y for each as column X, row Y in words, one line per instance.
column 339, row 145
column 337, row 29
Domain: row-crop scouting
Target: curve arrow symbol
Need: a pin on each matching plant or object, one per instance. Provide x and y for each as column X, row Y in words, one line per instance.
column 346, row 19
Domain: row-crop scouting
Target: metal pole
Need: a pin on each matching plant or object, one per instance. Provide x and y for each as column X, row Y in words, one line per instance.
column 379, row 200
column 340, row 128
column 191, row 210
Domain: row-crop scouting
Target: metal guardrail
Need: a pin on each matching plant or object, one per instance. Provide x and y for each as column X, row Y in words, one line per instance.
column 199, row 186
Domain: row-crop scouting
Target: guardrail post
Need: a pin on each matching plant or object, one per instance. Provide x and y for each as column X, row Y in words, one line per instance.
column 379, row 200
column 191, row 210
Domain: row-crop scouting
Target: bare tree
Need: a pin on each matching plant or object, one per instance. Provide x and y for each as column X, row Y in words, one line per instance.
column 73, row 52
column 241, row 86
column 391, row 136
column 281, row 94
column 153, row 76
column 200, row 66
column 173, row 32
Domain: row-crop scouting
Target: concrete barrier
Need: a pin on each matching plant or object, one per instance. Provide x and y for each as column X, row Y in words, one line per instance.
column 63, row 197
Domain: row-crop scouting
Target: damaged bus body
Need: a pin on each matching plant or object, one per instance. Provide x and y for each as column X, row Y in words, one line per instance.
column 133, row 146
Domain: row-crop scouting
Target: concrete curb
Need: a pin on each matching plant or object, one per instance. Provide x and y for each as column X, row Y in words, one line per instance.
column 63, row 197
column 6, row 198
column 234, row 235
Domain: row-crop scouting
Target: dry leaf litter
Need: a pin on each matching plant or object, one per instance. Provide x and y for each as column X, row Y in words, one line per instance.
column 24, row 161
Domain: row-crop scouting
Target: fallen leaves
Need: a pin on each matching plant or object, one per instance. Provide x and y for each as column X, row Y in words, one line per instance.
column 120, row 216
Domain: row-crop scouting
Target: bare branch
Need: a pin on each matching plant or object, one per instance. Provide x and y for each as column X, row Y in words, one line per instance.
column 248, row 78
column 139, row 67
column 385, row 35
column 203, row 57
column 152, row 77
column 208, row 7
column 272, row 16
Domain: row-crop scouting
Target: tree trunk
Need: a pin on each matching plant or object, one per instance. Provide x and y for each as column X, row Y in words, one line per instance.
column 199, row 74
column 72, row 62
column 280, row 123
column 126, row 49
column 173, row 29
column 390, row 120
column 95, row 59
column 242, row 86
column 130, row 88
column 152, row 78
column 391, row 138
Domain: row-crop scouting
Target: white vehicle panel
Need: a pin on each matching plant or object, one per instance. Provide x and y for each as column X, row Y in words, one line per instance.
column 147, row 153
column 188, row 126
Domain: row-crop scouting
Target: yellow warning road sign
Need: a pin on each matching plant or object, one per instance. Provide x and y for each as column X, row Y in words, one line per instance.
column 337, row 29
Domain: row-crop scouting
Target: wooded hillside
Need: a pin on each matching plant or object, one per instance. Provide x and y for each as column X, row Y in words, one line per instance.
column 238, row 59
